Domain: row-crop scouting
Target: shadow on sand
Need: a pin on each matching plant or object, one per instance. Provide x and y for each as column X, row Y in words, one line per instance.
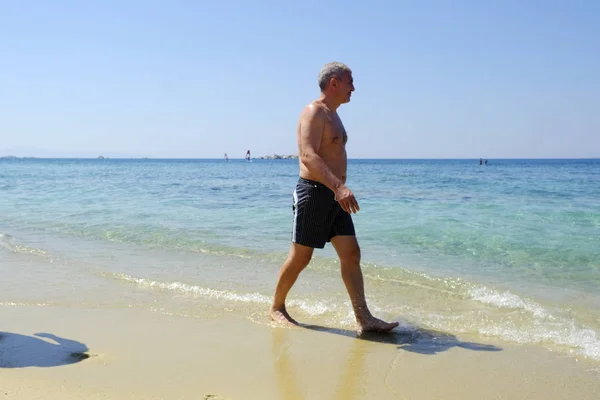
column 41, row 350
column 416, row 340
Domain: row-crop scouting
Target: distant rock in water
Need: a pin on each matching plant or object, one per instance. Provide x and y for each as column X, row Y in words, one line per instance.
column 280, row 157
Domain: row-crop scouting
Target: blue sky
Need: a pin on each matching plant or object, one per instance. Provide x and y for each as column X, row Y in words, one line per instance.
column 434, row 79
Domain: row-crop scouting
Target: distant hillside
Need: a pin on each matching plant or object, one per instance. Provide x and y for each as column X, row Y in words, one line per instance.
column 279, row 157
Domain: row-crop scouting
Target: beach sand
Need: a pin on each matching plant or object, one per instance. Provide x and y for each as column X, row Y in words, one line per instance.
column 136, row 354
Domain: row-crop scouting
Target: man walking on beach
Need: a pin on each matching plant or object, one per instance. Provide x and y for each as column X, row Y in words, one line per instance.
column 322, row 201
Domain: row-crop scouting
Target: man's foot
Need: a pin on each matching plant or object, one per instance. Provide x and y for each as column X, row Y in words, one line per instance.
column 281, row 316
column 372, row 324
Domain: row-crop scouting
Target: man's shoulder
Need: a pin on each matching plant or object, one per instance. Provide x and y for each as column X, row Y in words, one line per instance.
column 313, row 110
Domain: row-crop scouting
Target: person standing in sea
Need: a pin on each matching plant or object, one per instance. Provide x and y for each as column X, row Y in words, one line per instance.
column 322, row 203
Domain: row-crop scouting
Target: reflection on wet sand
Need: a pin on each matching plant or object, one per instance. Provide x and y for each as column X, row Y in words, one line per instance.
column 351, row 378
column 287, row 379
column 353, row 375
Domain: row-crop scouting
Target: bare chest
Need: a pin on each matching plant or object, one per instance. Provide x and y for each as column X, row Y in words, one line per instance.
column 334, row 132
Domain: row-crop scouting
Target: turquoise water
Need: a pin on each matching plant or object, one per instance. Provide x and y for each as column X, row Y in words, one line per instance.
column 509, row 250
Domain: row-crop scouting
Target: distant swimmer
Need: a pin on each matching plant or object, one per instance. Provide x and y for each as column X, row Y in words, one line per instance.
column 248, row 155
column 322, row 203
column 485, row 162
column 480, row 161
column 226, row 158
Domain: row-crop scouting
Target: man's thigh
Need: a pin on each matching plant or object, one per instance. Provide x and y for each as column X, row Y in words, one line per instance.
column 342, row 224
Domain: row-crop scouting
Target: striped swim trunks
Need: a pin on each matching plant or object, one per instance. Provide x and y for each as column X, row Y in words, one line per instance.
column 318, row 217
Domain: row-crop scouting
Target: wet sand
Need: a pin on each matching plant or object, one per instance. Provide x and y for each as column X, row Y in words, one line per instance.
column 133, row 354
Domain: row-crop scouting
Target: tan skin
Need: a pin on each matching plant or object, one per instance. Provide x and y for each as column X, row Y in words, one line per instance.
column 322, row 157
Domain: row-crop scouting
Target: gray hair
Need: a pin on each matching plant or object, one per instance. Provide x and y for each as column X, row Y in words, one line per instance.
column 332, row 70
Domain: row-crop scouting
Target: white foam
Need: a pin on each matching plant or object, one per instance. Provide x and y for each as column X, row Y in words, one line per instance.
column 582, row 341
column 541, row 327
column 506, row 300
column 6, row 242
column 545, row 328
column 310, row 307
column 20, row 304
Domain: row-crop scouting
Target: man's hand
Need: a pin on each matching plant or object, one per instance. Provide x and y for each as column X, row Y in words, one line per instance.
column 346, row 198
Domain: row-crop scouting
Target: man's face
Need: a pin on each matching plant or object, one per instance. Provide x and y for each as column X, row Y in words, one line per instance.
column 344, row 87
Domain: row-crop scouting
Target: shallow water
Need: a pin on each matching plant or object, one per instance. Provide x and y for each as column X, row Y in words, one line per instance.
column 508, row 250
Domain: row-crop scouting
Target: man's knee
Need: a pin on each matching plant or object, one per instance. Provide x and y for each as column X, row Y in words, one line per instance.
column 348, row 250
column 351, row 256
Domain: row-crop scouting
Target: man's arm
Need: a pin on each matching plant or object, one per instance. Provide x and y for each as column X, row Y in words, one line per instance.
column 312, row 126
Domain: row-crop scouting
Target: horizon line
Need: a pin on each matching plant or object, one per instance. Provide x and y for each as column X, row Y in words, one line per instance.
column 8, row 157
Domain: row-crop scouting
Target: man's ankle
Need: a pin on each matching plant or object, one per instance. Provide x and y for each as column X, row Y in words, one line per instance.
column 363, row 315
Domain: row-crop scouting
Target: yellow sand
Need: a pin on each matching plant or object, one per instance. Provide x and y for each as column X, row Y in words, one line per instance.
column 143, row 355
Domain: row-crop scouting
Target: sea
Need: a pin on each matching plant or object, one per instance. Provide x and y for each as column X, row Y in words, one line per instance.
column 509, row 251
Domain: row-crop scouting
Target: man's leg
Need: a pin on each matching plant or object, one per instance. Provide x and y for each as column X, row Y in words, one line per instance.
column 349, row 253
column 297, row 260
